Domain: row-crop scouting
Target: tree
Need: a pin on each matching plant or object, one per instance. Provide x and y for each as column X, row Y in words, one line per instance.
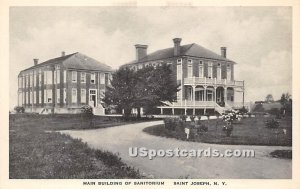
column 286, row 103
column 146, row 88
column 269, row 98
column 154, row 87
column 285, row 98
column 122, row 90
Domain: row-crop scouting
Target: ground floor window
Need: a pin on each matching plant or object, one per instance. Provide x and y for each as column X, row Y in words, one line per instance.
column 57, row 95
column 83, row 95
column 74, row 95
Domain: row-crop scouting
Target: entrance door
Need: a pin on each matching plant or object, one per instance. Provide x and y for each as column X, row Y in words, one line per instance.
column 93, row 97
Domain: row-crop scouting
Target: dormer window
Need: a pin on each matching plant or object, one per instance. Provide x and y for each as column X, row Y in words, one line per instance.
column 179, row 61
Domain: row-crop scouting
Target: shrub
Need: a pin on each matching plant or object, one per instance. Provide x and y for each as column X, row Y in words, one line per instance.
column 87, row 110
column 272, row 123
column 183, row 118
column 203, row 128
column 169, row 124
column 192, row 117
column 19, row 109
column 228, row 129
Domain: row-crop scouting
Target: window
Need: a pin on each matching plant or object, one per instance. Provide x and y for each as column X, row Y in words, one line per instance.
column 23, row 82
column 201, row 70
column 93, row 78
column 40, row 79
column 219, row 71
column 48, row 96
column 58, row 76
column 102, row 78
column 228, row 72
column 57, row 96
column 83, row 95
column 190, row 68
column 65, row 76
column 57, row 67
column 48, row 77
column 40, row 96
column 34, row 79
column 179, row 69
column 74, row 76
column 74, row 95
column 30, row 97
column 29, row 80
column 34, row 97
column 209, row 71
column 82, row 77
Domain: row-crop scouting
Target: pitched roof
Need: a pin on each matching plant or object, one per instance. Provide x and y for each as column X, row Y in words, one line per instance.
column 75, row 61
column 193, row 49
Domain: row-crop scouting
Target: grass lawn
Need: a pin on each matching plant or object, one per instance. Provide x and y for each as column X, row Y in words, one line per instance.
column 35, row 152
column 249, row 131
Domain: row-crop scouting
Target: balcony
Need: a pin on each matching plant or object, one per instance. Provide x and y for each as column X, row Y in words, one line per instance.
column 189, row 103
column 213, row 81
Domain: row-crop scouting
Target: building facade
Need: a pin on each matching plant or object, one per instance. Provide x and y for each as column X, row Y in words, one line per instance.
column 206, row 79
column 63, row 84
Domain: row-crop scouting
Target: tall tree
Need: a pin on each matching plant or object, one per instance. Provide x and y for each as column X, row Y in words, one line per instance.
column 121, row 93
column 146, row 88
column 155, row 86
column 269, row 98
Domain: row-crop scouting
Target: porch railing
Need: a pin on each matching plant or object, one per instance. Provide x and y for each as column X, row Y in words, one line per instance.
column 211, row 81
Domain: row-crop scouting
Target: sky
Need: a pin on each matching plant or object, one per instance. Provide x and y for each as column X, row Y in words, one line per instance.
column 258, row 39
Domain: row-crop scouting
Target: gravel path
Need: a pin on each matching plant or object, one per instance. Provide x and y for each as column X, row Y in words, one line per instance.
column 120, row 138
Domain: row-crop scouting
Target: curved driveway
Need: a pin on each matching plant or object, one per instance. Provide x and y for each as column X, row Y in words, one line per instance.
column 118, row 140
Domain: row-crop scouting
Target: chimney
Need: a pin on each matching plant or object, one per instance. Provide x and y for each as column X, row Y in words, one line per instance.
column 36, row 61
column 63, row 53
column 141, row 51
column 223, row 52
column 176, row 46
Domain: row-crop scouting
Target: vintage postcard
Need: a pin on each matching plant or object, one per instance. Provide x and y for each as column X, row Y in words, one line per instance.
column 172, row 94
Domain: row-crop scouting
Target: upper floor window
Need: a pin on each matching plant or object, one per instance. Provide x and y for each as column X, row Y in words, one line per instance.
column 93, row 78
column 179, row 69
column 74, row 76
column 201, row 69
column 219, row 71
column 40, row 79
column 228, row 72
column 190, row 68
column 65, row 76
column 57, row 67
column 74, row 95
column 48, row 77
column 102, row 78
column 210, row 70
column 83, row 77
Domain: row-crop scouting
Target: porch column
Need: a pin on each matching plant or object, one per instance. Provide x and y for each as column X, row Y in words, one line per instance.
column 194, row 99
column 161, row 111
column 204, row 93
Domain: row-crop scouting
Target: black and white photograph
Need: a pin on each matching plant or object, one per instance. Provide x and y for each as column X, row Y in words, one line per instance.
column 129, row 96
